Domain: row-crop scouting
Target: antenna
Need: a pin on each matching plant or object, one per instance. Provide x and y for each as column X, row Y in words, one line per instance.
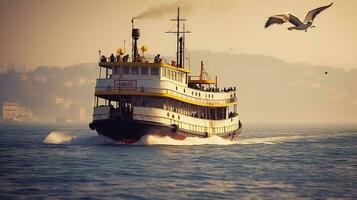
column 180, row 41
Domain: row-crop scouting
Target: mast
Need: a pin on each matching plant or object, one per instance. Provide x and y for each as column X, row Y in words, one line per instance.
column 183, row 46
column 178, row 35
column 180, row 40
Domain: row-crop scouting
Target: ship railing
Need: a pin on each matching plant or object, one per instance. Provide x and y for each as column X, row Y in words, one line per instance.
column 143, row 59
column 169, row 92
column 210, row 89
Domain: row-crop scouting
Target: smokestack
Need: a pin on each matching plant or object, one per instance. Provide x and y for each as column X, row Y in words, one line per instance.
column 135, row 34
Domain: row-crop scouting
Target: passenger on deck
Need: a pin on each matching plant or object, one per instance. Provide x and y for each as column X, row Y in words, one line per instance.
column 157, row 59
column 118, row 58
column 103, row 59
column 112, row 58
column 126, row 58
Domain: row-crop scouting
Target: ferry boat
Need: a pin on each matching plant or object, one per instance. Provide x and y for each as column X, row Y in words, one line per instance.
column 137, row 96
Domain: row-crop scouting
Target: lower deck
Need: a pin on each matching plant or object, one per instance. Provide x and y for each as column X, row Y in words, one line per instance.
column 166, row 117
column 130, row 131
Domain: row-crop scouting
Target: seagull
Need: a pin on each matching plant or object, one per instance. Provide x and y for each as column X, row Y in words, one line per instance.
column 298, row 25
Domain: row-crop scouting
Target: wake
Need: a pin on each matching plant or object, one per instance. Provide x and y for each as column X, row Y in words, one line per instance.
column 62, row 138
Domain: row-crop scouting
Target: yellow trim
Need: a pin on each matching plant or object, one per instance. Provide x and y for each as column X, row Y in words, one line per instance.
column 114, row 64
column 202, row 81
column 98, row 93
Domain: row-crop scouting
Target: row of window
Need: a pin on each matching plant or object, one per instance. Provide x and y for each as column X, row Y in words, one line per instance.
column 173, row 75
column 144, row 70
column 197, row 93
column 181, row 107
column 135, row 70
column 202, row 129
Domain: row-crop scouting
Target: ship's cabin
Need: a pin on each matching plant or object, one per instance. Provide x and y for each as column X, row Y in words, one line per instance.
column 145, row 69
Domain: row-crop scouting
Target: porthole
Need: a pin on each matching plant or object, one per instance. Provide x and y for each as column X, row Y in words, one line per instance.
column 178, row 116
column 168, row 114
column 176, row 87
column 184, row 90
column 173, row 116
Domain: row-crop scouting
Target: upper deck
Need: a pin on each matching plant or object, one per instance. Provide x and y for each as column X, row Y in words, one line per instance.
column 158, row 79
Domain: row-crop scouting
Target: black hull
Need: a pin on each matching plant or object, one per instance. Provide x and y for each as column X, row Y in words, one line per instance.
column 130, row 131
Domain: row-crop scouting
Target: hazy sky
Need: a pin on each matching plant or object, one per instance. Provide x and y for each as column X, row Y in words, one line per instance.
column 65, row 32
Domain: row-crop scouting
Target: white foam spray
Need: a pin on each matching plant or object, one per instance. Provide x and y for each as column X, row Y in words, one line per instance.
column 158, row 140
column 214, row 140
column 57, row 137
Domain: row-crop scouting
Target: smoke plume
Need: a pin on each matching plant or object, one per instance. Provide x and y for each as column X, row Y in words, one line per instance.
column 187, row 6
column 166, row 8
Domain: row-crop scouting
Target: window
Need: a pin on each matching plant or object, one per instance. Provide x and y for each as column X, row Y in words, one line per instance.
column 171, row 74
column 164, row 72
column 126, row 70
column 175, row 76
column 154, row 71
column 180, row 77
column 144, row 70
column 134, row 70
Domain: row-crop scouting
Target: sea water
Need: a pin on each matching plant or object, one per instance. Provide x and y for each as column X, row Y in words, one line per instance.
column 68, row 161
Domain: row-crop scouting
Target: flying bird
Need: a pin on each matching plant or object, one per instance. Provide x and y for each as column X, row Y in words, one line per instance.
column 298, row 25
